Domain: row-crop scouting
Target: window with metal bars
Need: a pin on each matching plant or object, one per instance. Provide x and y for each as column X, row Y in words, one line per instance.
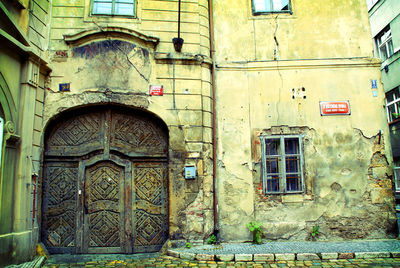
column 113, row 7
column 393, row 104
column 282, row 159
column 271, row 6
column 397, row 178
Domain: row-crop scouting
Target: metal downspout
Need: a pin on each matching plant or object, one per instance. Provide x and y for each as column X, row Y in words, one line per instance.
column 214, row 128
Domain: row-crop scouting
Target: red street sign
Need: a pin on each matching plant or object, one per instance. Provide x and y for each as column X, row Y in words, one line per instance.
column 156, row 90
column 334, row 107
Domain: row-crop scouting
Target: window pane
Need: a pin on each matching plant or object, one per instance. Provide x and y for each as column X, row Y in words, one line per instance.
column 391, row 111
column 123, row 9
column 389, row 96
column 292, row 164
column 292, row 146
column 102, row 7
column 279, row 5
column 383, row 52
column 124, row 1
column 272, row 165
column 292, row 182
column 390, row 48
column 397, row 93
column 397, row 178
column 273, row 183
column 259, row 5
column 272, row 147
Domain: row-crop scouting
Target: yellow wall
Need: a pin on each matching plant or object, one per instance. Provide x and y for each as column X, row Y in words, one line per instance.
column 323, row 48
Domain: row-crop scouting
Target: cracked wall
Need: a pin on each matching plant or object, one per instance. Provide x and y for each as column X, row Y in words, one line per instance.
column 114, row 60
column 274, row 85
column 347, row 173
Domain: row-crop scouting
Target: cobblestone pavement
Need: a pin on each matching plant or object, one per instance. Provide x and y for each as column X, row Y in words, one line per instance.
column 167, row 261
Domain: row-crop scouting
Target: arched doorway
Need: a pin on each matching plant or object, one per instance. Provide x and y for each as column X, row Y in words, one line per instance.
column 105, row 187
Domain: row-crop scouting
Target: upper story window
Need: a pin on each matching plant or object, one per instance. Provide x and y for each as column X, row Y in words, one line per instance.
column 384, row 44
column 282, row 164
column 113, row 7
column 271, row 6
column 393, row 104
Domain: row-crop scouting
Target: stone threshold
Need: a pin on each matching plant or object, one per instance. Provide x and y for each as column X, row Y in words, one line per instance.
column 281, row 256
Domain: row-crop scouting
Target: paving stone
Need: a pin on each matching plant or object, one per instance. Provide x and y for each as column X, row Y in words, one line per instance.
column 307, row 256
column 346, row 256
column 329, row 256
column 371, row 255
column 243, row 257
column 225, row 257
column 395, row 254
column 285, row 257
column 204, row 257
column 173, row 253
column 264, row 257
column 187, row 256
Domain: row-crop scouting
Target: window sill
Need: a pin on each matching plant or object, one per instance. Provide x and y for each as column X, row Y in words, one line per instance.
column 273, row 12
column 113, row 16
column 395, row 56
column 272, row 15
column 397, row 120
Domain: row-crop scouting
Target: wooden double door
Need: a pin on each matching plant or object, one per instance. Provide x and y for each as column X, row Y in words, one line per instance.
column 105, row 184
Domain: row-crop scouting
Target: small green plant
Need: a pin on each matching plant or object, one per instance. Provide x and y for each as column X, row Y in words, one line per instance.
column 255, row 228
column 315, row 232
column 188, row 245
column 395, row 115
column 211, row 240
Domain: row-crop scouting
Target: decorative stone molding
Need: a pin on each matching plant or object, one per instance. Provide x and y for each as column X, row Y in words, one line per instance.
column 10, row 136
column 108, row 31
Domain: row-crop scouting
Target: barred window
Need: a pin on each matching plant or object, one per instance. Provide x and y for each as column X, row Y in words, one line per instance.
column 393, row 104
column 282, row 160
column 397, row 178
column 113, row 7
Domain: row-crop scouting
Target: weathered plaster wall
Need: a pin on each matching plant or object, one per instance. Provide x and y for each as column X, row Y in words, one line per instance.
column 314, row 30
column 23, row 70
column 323, row 48
column 118, row 68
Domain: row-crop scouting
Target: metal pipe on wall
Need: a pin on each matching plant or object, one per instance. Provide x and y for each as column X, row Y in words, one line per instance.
column 214, row 127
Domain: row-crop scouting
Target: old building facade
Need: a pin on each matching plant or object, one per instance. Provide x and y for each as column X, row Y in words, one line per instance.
column 140, row 142
column 385, row 29
column 23, row 68
column 280, row 160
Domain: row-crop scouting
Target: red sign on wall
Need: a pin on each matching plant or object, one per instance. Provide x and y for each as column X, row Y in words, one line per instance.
column 334, row 107
column 156, row 90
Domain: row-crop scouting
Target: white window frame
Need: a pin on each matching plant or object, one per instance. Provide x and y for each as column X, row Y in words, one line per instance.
column 384, row 42
column 395, row 102
column 371, row 3
column 113, row 4
column 271, row 9
column 282, row 158
column 397, row 178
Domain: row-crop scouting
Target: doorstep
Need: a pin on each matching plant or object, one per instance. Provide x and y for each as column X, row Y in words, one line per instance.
column 240, row 257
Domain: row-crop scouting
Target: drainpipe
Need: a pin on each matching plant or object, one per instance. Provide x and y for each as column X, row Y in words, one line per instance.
column 214, row 128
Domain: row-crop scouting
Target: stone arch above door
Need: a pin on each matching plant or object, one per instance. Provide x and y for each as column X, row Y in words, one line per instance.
column 132, row 134
column 105, row 182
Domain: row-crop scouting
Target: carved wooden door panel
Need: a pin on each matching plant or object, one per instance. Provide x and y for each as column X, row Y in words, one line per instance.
column 150, row 206
column 104, row 208
column 105, row 182
column 59, row 206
